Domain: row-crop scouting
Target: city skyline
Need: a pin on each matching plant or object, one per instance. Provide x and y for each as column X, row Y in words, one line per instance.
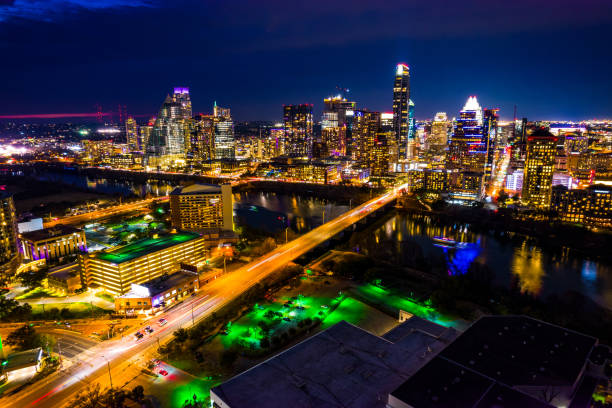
column 527, row 60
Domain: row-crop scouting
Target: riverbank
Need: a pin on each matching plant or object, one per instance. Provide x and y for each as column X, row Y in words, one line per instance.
column 546, row 234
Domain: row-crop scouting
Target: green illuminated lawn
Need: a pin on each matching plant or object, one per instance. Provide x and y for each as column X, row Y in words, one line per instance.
column 78, row 308
column 38, row 293
column 200, row 388
column 145, row 246
column 386, row 297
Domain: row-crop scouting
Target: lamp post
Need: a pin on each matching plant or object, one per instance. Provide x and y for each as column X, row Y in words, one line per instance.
column 110, row 378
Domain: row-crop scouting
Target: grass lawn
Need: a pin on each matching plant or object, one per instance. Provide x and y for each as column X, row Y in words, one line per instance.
column 106, row 296
column 80, row 309
column 38, row 293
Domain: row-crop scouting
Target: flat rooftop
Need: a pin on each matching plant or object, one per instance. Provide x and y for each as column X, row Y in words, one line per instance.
column 23, row 359
column 164, row 283
column 442, row 383
column 343, row 366
column 49, row 233
column 197, row 189
column 519, row 350
column 145, row 247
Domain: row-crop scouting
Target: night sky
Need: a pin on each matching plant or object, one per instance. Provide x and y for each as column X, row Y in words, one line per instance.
column 552, row 58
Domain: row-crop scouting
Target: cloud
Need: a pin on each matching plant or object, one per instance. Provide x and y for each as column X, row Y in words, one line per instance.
column 54, row 10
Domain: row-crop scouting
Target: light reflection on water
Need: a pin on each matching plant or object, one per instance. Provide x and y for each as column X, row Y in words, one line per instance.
column 514, row 260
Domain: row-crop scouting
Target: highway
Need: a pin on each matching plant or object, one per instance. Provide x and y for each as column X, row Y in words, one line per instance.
column 104, row 213
column 121, row 359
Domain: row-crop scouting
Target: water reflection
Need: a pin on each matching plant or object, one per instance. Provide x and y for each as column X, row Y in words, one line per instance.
column 515, row 260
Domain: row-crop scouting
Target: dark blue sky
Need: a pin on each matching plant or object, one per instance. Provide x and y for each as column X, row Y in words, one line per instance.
column 550, row 57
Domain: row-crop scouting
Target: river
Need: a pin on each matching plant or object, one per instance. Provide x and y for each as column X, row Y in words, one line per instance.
column 514, row 259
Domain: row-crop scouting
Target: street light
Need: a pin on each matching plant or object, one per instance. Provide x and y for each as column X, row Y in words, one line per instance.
column 109, row 372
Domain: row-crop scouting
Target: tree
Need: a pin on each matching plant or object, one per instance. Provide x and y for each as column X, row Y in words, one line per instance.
column 26, row 338
column 32, row 279
column 181, row 335
column 138, row 393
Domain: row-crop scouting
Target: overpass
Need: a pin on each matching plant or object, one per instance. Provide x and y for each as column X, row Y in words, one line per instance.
column 122, row 359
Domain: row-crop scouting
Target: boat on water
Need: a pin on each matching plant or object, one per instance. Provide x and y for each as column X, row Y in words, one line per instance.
column 446, row 242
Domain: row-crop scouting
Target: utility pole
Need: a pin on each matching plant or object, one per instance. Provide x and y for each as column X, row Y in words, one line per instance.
column 109, row 374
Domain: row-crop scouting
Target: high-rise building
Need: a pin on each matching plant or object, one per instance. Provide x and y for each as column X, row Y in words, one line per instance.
column 539, row 168
column 202, row 146
column 144, row 133
column 171, row 129
column 298, row 123
column 466, row 151
column 366, row 125
column 379, row 157
column 131, row 134
column 401, row 117
column 489, row 133
column 412, row 140
column 200, row 207
column 438, row 136
column 335, row 124
column 225, row 143
column 9, row 254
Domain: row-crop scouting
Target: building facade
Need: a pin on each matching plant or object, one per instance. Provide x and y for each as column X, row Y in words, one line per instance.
column 202, row 206
column 224, row 141
column 298, row 126
column 9, row 253
column 539, row 169
column 141, row 261
column 53, row 243
column 591, row 206
column 401, row 101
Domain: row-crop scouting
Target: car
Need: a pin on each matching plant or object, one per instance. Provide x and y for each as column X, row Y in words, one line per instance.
column 138, row 335
column 324, row 306
column 163, row 372
column 287, row 319
column 156, row 362
column 162, row 321
column 149, row 330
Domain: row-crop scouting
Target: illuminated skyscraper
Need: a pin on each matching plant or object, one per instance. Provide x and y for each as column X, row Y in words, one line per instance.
column 202, row 138
column 131, row 134
column 298, row 123
column 489, row 133
column 335, row 124
column 366, row 125
column 539, row 168
column 379, row 157
column 438, row 136
column 466, row 151
column 401, row 117
column 225, row 143
column 9, row 254
column 171, row 129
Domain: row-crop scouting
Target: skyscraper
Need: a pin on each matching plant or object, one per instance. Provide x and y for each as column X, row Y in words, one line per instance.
column 438, row 137
column 9, row 254
column 539, row 167
column 366, row 125
column 202, row 138
column 171, row 129
column 379, row 157
column 335, row 124
column 225, row 143
column 131, row 134
column 298, row 123
column 489, row 133
column 466, row 147
column 401, row 100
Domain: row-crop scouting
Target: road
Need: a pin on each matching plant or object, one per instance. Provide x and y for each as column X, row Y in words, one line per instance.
column 104, row 213
column 121, row 360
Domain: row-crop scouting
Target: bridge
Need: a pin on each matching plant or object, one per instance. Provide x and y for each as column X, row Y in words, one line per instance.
column 120, row 361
